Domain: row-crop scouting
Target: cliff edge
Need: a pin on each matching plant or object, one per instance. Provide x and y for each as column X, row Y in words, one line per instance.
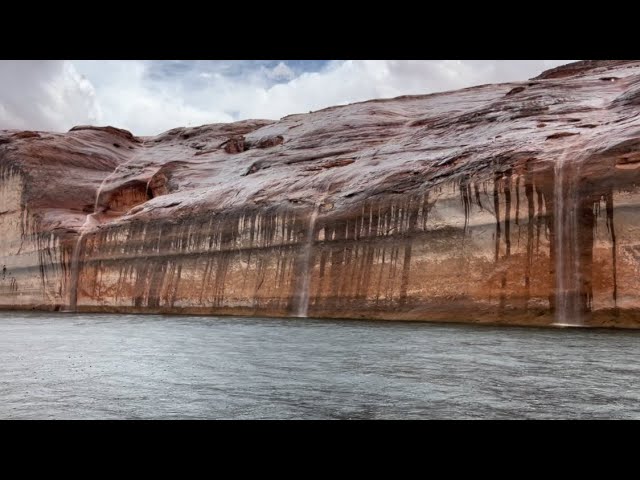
column 512, row 203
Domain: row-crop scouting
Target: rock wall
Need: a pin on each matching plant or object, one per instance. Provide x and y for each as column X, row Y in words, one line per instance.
column 514, row 203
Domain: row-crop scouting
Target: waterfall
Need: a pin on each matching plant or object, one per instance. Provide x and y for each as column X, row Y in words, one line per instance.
column 75, row 272
column 89, row 222
column 104, row 182
column 303, row 303
column 113, row 174
column 568, row 311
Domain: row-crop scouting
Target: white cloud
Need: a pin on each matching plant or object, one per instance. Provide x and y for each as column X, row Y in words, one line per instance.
column 130, row 100
column 150, row 97
column 280, row 71
column 45, row 95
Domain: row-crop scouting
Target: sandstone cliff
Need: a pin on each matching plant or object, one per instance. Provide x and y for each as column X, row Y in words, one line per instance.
column 511, row 203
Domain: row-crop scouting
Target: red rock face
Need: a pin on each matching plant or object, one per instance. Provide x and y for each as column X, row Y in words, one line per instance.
column 511, row 203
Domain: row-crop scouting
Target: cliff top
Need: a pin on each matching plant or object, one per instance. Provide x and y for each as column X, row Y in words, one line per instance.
column 340, row 154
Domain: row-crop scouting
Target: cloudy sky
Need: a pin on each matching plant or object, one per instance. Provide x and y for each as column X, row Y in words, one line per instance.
column 149, row 97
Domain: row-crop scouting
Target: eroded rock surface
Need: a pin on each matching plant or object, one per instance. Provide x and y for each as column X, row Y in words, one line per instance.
column 511, row 203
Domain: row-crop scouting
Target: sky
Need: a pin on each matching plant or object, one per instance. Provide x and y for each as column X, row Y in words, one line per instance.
column 148, row 97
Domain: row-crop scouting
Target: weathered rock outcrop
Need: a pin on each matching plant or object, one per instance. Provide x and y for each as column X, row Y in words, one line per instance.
column 512, row 203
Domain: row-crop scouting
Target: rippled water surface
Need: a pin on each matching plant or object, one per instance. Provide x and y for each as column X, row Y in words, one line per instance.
column 124, row 366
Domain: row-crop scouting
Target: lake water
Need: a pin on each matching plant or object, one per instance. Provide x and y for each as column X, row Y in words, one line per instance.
column 76, row 366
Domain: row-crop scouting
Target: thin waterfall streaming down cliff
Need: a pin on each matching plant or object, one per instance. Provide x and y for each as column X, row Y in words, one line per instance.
column 75, row 262
column 103, row 183
column 89, row 222
column 303, row 295
column 568, row 310
column 111, row 175
column 73, row 283
column 77, row 248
